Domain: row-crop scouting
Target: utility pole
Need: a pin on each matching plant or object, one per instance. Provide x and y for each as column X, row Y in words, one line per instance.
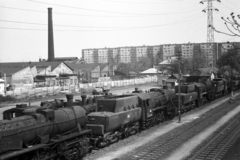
column 210, row 30
column 178, row 54
column 231, row 77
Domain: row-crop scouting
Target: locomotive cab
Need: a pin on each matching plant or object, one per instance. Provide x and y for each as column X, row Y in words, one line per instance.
column 20, row 110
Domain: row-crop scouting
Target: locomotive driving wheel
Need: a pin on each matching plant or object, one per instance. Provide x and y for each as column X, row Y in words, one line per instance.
column 171, row 114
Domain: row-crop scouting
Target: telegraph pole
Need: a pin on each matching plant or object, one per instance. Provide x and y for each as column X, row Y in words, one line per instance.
column 179, row 57
column 210, row 30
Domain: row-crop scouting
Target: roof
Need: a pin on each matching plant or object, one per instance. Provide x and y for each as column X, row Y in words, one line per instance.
column 63, row 58
column 168, row 61
column 88, row 66
column 31, row 64
column 204, row 72
column 151, row 70
column 102, row 65
column 78, row 61
column 208, row 70
column 11, row 70
column 175, row 76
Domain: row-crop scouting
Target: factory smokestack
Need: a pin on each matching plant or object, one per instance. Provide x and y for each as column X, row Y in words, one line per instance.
column 50, row 36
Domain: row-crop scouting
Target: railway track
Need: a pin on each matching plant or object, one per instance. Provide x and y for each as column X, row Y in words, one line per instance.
column 163, row 146
column 218, row 145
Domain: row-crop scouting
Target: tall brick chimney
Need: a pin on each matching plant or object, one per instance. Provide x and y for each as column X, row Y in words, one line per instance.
column 50, row 36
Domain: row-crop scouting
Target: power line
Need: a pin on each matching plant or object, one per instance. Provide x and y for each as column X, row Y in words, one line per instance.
column 87, row 9
column 31, row 23
column 232, row 3
column 163, row 2
column 117, row 29
column 29, row 29
column 94, row 10
column 83, row 15
column 227, row 7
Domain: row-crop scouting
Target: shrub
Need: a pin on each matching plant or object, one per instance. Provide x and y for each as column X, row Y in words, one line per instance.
column 6, row 98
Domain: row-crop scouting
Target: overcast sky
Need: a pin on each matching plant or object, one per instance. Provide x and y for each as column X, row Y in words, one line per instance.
column 82, row 24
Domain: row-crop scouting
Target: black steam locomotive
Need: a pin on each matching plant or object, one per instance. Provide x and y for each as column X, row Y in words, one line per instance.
column 69, row 130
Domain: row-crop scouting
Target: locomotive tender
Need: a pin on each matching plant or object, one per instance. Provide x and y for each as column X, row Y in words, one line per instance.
column 69, row 130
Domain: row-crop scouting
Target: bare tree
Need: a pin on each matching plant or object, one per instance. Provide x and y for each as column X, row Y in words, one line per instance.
column 232, row 25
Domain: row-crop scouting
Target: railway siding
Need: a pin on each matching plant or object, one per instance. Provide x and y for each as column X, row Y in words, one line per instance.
column 165, row 145
column 219, row 143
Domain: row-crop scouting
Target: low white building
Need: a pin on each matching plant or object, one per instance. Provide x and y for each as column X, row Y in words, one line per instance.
column 2, row 87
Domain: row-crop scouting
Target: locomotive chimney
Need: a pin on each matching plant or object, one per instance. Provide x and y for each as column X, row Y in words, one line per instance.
column 50, row 36
column 83, row 99
column 69, row 102
column 69, row 97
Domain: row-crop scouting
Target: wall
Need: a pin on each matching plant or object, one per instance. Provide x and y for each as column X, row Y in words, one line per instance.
column 62, row 69
column 23, row 77
column 88, row 87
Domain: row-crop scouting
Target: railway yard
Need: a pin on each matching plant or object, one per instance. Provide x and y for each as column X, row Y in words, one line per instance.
column 208, row 132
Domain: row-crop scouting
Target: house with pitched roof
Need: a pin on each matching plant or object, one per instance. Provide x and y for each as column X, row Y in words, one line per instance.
column 202, row 73
column 17, row 76
column 104, row 70
column 86, row 72
column 46, row 73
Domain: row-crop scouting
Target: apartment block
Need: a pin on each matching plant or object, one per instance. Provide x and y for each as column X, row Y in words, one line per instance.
column 132, row 54
column 168, row 51
column 102, row 55
column 187, row 50
column 88, row 55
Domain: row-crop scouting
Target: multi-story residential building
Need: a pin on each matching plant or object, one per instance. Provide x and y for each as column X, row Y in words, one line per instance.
column 124, row 55
column 113, row 55
column 187, row 50
column 103, row 55
column 141, row 52
column 168, row 51
column 207, row 51
column 154, row 51
column 88, row 55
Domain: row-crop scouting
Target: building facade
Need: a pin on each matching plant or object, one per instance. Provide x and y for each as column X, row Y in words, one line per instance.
column 168, row 51
column 187, row 50
column 131, row 54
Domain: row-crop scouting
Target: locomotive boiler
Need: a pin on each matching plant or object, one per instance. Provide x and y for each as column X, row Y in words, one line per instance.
column 30, row 131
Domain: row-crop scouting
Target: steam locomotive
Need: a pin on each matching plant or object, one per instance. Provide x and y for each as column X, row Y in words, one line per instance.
column 69, row 130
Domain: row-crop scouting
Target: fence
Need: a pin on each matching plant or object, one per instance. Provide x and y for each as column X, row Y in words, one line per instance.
column 88, row 87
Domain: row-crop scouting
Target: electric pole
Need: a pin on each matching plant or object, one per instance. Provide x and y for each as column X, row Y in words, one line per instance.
column 210, row 30
column 178, row 54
